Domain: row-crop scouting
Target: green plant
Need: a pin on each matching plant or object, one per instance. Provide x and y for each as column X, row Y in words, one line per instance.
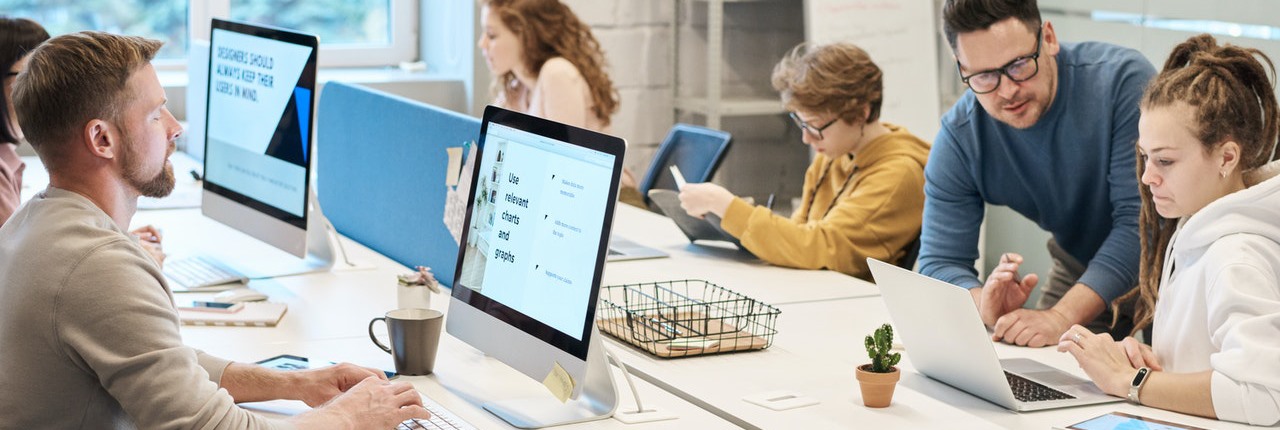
column 878, row 345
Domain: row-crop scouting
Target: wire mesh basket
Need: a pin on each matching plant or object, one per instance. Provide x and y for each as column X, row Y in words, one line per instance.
column 685, row 318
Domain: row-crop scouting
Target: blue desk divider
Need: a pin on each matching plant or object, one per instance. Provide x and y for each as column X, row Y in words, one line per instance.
column 381, row 173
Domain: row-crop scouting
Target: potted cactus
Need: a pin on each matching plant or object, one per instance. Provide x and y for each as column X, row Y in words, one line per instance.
column 878, row 379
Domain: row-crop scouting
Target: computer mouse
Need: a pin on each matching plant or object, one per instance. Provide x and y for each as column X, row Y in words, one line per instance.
column 238, row 295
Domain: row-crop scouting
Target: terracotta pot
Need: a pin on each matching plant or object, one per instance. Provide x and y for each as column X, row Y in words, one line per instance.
column 877, row 388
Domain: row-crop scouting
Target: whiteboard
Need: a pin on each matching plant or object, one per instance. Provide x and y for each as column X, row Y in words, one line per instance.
column 901, row 37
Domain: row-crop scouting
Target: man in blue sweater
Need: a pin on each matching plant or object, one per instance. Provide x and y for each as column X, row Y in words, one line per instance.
column 1047, row 129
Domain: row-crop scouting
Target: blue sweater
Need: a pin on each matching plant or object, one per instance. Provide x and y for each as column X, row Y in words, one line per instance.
column 1073, row 172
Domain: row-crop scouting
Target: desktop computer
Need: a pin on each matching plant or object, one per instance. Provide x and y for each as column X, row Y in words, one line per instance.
column 259, row 153
column 531, row 259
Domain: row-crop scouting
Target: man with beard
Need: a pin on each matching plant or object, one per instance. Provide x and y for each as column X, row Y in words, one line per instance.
column 89, row 331
column 1048, row 130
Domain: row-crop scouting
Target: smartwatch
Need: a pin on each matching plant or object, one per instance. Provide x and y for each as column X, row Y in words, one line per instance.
column 1136, row 385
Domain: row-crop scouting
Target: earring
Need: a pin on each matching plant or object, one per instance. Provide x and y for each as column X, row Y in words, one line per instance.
column 1222, row 173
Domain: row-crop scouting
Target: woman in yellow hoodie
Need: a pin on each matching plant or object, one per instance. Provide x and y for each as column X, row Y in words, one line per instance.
column 864, row 192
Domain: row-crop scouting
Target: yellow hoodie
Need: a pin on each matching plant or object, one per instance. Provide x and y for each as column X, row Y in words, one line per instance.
column 878, row 214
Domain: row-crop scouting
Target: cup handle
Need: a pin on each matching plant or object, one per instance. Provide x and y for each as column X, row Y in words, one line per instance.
column 375, row 338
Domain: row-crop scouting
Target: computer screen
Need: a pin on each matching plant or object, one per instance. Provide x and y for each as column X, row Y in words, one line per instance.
column 534, row 245
column 259, row 113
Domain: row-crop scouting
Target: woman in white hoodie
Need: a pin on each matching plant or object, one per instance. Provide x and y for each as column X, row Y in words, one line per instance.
column 1209, row 279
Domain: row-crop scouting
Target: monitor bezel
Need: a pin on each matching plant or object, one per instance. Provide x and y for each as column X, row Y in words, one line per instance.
column 306, row 80
column 565, row 133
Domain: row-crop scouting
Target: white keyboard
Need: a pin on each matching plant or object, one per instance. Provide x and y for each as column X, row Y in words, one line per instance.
column 441, row 418
column 201, row 274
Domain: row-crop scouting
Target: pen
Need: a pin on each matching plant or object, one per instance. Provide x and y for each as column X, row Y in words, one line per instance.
column 768, row 204
column 675, row 173
column 195, row 175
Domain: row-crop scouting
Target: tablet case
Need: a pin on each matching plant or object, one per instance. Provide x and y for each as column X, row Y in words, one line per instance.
column 695, row 229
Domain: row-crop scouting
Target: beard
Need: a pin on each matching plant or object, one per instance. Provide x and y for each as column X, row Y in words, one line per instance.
column 157, row 186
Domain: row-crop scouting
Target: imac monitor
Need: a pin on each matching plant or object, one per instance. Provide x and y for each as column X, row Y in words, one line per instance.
column 533, row 250
column 258, row 118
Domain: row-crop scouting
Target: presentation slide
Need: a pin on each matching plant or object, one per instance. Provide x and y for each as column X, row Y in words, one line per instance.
column 259, row 119
column 536, row 226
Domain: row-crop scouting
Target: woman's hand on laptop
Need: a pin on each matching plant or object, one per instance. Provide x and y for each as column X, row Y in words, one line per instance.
column 1110, row 364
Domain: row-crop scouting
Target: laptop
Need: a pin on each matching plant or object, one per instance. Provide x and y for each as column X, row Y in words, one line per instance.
column 622, row 250
column 947, row 341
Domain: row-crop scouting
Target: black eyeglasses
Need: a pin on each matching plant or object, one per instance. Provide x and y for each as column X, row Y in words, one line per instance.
column 804, row 126
column 11, row 74
column 1018, row 70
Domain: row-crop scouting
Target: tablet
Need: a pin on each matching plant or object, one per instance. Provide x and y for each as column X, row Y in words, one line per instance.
column 1123, row 421
column 694, row 228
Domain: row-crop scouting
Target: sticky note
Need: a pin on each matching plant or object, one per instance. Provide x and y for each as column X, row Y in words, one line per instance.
column 455, row 166
column 559, row 382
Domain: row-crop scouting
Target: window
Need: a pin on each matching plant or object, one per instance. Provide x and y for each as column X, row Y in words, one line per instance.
column 352, row 32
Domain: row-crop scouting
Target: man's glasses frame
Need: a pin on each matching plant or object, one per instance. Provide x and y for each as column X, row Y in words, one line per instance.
column 1010, row 69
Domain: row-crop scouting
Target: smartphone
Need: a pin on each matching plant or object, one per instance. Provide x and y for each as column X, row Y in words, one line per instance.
column 210, row 306
column 1123, row 421
column 293, row 362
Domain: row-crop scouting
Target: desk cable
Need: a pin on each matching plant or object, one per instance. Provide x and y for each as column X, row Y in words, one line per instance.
column 328, row 225
column 627, row 374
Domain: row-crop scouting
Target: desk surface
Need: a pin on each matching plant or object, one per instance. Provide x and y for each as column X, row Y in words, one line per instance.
column 824, row 315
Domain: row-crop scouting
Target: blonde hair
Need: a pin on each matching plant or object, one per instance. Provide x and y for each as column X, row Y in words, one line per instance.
column 839, row 78
column 1231, row 95
column 548, row 29
column 73, row 79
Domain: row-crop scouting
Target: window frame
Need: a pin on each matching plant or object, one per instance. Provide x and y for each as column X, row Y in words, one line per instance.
column 403, row 33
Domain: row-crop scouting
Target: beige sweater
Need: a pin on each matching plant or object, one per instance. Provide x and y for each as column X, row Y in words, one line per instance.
column 88, row 331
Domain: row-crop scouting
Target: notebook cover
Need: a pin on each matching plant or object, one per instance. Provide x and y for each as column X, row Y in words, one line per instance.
column 259, row 314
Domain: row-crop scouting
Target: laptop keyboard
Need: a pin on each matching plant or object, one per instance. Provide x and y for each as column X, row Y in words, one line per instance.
column 198, row 272
column 441, row 419
column 1026, row 390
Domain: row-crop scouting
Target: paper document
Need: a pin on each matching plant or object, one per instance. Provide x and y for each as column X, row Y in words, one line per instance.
column 675, row 173
column 455, row 200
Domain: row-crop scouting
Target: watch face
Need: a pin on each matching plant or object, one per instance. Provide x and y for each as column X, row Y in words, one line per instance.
column 1142, row 375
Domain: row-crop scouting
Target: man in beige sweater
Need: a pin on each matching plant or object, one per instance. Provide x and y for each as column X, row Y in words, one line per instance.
column 88, row 330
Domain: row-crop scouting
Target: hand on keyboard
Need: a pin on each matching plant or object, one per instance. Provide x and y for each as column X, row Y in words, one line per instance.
column 441, row 418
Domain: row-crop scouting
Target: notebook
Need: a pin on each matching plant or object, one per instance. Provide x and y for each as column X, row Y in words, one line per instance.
column 259, row 314
column 947, row 341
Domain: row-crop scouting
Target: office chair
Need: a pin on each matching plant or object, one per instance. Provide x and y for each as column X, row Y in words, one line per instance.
column 913, row 252
column 697, row 151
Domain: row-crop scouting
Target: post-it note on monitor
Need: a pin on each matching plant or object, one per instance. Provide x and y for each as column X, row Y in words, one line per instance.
column 559, row 382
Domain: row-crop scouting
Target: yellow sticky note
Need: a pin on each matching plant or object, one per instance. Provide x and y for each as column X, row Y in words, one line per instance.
column 559, row 382
column 454, row 167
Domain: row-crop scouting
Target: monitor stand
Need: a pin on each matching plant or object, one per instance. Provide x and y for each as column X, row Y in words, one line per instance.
column 264, row 261
column 598, row 399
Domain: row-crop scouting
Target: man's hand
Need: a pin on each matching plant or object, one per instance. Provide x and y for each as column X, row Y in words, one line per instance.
column 1005, row 291
column 699, row 199
column 371, row 403
column 1031, row 327
column 150, row 238
column 317, row 386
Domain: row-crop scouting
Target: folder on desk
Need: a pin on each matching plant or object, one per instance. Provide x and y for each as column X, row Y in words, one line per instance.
column 259, row 314
column 383, row 165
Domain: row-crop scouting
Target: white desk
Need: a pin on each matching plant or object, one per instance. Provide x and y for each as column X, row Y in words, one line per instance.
column 814, row 354
column 328, row 318
column 720, row 264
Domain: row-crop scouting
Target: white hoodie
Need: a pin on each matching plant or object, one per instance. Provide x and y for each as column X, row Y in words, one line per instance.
column 1219, row 309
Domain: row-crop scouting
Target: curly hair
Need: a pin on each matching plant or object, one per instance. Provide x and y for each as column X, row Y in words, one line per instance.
column 1231, row 95
column 18, row 36
column 839, row 78
column 548, row 29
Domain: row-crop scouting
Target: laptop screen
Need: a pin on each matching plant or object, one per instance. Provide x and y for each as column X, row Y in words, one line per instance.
column 537, row 227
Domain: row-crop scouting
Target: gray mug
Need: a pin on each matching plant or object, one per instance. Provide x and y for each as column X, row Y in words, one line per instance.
column 415, row 336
